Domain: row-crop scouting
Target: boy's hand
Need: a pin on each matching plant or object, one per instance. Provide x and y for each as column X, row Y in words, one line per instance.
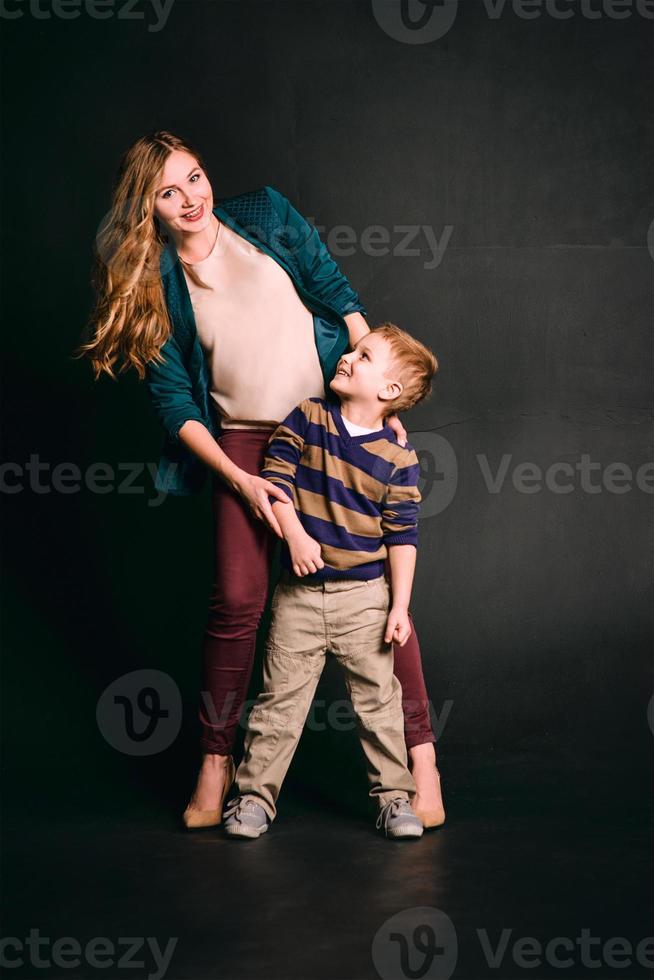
column 398, row 626
column 305, row 553
column 394, row 423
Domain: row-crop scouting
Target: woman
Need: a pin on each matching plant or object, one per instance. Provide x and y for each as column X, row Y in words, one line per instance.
column 211, row 305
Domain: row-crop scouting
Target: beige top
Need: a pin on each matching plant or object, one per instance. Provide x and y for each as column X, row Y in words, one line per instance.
column 256, row 334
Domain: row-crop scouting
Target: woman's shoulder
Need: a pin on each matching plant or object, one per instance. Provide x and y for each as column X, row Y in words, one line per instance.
column 266, row 195
column 263, row 210
column 262, row 202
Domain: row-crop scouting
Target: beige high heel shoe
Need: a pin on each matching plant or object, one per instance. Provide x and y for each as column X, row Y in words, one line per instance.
column 196, row 819
column 431, row 818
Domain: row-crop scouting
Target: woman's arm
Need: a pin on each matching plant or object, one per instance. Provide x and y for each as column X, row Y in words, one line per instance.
column 323, row 278
column 320, row 274
column 200, row 441
column 170, row 390
column 254, row 489
column 356, row 327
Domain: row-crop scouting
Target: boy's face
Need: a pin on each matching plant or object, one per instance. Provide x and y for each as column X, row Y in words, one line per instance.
column 363, row 373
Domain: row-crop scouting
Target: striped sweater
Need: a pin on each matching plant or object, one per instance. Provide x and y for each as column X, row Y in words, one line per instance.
column 355, row 495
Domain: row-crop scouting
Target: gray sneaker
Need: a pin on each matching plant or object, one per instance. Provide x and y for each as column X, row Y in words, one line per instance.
column 245, row 818
column 398, row 819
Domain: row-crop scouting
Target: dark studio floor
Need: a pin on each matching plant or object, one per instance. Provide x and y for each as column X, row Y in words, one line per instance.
column 529, row 851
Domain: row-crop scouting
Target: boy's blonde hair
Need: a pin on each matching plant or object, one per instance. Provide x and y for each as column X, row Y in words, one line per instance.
column 411, row 363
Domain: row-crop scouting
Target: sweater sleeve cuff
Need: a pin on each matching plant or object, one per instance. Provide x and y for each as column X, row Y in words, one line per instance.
column 407, row 537
column 282, row 486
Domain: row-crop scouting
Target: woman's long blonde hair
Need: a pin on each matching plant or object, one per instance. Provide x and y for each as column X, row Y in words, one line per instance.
column 130, row 322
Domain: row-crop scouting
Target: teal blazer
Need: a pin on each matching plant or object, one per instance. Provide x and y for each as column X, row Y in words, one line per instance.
column 179, row 388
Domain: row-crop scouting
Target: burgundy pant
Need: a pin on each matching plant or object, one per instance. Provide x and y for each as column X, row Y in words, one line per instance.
column 244, row 548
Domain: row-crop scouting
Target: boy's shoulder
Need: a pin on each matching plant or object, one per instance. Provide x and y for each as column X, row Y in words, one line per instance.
column 309, row 408
column 393, row 440
column 402, row 457
column 310, row 411
column 314, row 408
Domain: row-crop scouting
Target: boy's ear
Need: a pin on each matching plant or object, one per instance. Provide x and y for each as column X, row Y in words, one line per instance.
column 392, row 391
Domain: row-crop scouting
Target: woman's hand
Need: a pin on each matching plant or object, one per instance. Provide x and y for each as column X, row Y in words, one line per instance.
column 254, row 490
column 394, row 423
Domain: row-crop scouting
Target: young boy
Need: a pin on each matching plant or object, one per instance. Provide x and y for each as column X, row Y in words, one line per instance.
column 355, row 503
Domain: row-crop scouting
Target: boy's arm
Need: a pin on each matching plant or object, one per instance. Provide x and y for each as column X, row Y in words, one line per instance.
column 402, row 562
column 305, row 552
column 284, row 451
column 400, row 534
column 280, row 466
column 287, row 519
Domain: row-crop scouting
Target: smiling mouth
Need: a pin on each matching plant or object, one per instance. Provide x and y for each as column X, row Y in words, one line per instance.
column 193, row 215
column 344, row 373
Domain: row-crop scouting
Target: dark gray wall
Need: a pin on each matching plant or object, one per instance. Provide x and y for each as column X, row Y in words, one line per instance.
column 529, row 143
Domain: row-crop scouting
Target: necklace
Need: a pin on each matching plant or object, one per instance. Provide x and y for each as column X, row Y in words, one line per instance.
column 197, row 262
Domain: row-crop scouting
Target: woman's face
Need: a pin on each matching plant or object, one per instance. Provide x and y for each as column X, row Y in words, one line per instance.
column 184, row 199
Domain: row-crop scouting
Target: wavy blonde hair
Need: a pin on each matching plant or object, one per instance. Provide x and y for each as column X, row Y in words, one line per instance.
column 130, row 323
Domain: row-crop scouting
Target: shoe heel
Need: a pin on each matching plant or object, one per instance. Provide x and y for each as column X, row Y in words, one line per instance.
column 200, row 819
column 431, row 818
column 229, row 782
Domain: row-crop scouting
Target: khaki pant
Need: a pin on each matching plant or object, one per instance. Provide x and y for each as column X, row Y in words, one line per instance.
column 347, row 617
